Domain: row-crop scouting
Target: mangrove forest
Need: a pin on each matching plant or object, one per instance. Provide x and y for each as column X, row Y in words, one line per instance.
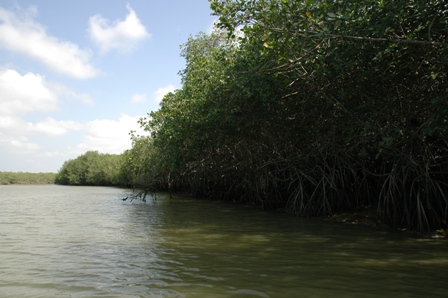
column 312, row 107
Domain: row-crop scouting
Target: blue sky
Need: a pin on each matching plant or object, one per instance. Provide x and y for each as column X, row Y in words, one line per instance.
column 76, row 75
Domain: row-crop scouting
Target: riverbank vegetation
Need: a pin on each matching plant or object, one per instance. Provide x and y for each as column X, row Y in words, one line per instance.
column 7, row 178
column 314, row 107
column 92, row 168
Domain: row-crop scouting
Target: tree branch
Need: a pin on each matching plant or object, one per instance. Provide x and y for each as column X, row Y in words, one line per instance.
column 315, row 34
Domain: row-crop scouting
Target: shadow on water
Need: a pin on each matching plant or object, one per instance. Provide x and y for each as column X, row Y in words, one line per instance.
column 87, row 242
column 214, row 248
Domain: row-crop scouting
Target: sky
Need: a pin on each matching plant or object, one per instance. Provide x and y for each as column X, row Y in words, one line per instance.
column 77, row 75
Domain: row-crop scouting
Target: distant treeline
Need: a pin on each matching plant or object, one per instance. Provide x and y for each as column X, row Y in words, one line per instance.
column 7, row 178
column 315, row 107
column 93, row 168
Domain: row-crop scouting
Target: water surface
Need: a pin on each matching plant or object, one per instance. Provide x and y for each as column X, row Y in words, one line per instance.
column 62, row 241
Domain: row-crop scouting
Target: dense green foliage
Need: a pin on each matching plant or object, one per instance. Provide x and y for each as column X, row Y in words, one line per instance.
column 92, row 168
column 7, row 178
column 313, row 106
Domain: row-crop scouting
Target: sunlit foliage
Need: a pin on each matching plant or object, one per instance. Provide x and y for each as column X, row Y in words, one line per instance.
column 92, row 168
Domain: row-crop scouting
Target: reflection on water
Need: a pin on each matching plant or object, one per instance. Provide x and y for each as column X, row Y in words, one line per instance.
column 86, row 242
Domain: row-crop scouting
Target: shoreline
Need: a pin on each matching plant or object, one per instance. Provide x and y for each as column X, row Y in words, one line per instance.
column 368, row 217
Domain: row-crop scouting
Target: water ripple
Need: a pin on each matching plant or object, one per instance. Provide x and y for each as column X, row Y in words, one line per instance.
column 85, row 242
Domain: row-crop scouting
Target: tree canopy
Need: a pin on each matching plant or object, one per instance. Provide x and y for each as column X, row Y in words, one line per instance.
column 92, row 168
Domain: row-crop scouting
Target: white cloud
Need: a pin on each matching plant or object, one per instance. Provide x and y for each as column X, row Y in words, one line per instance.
column 15, row 127
column 48, row 129
column 105, row 136
column 23, row 145
column 20, row 144
column 122, row 35
column 24, row 35
column 30, row 92
column 161, row 92
column 137, row 98
column 110, row 136
column 52, row 154
column 62, row 90
column 11, row 126
column 21, row 94
column 53, row 127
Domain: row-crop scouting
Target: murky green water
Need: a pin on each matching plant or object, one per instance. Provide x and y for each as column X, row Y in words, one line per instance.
column 58, row 241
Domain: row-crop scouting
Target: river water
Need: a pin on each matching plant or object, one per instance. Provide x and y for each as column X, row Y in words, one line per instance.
column 62, row 241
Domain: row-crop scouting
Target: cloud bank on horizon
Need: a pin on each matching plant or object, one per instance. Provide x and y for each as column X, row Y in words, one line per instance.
column 65, row 91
